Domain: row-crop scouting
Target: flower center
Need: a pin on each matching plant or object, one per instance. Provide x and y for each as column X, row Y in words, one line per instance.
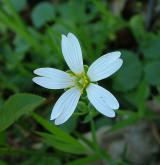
column 82, row 81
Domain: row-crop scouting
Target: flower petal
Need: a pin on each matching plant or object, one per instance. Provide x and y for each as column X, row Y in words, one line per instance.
column 105, row 66
column 72, row 53
column 65, row 106
column 53, row 78
column 102, row 100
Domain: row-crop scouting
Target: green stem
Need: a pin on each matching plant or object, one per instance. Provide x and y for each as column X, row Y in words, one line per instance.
column 89, row 144
column 93, row 131
column 99, row 151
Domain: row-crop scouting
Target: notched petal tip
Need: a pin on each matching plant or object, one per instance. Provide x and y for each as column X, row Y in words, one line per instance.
column 102, row 100
column 52, row 117
column 113, row 114
column 116, row 106
column 68, row 34
column 121, row 62
column 118, row 52
column 63, row 36
column 71, row 34
column 57, row 123
column 72, row 53
column 110, row 113
column 34, row 79
column 65, row 106
column 114, row 55
column 35, row 71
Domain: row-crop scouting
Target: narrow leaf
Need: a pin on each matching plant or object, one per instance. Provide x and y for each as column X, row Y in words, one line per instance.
column 58, row 133
column 60, row 144
column 85, row 161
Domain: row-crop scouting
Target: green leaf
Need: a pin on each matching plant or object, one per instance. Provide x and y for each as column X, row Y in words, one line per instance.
column 2, row 162
column 133, row 118
column 70, row 125
column 60, row 143
column 42, row 13
column 158, row 98
column 129, row 75
column 142, row 92
column 150, row 48
column 138, row 96
column 19, row 5
column 85, row 161
column 149, row 42
column 141, row 96
column 61, row 138
column 16, row 106
column 152, row 72
column 45, row 160
column 92, row 113
column 68, row 10
column 137, row 26
column 20, row 44
column 3, row 138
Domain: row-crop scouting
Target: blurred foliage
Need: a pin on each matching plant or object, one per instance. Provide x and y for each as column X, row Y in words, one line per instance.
column 30, row 35
column 19, row 104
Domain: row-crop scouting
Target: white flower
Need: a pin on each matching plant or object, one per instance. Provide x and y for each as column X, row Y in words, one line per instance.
column 78, row 79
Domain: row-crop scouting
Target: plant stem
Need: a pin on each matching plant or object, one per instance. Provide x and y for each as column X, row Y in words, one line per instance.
column 99, row 151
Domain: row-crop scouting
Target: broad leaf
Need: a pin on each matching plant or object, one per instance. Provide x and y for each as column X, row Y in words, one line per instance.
column 19, row 5
column 129, row 75
column 42, row 13
column 16, row 106
column 150, row 48
column 152, row 72
column 138, row 96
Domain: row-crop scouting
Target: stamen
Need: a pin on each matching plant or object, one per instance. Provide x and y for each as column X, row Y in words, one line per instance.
column 81, row 80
